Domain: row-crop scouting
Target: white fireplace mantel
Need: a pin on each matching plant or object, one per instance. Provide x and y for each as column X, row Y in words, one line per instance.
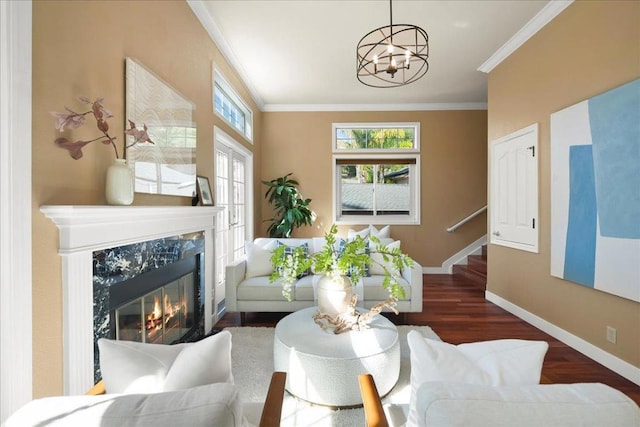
column 85, row 229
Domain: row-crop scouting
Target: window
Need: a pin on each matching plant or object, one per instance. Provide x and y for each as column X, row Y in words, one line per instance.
column 398, row 137
column 376, row 173
column 228, row 105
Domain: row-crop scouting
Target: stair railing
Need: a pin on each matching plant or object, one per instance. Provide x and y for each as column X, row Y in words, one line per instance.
column 467, row 219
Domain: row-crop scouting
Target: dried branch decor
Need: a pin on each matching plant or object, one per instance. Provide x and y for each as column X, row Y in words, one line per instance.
column 352, row 319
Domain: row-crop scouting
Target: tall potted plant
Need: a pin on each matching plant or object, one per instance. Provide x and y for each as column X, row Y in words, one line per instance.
column 291, row 209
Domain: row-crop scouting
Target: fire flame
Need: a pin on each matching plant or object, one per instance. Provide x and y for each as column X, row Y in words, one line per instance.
column 159, row 317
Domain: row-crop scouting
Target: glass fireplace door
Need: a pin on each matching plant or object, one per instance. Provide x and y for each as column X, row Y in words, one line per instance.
column 162, row 316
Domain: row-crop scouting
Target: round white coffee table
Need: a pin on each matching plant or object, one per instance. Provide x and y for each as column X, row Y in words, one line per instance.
column 323, row 367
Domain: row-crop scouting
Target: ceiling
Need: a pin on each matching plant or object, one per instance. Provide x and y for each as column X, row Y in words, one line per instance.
column 300, row 55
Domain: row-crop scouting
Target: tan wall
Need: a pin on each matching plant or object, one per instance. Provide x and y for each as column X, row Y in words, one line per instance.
column 454, row 172
column 79, row 49
column 589, row 48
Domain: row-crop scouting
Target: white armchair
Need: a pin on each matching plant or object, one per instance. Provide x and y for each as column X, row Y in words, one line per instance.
column 159, row 385
column 494, row 383
column 204, row 406
column 472, row 405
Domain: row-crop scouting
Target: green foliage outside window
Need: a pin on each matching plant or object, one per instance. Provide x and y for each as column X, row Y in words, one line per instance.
column 377, row 139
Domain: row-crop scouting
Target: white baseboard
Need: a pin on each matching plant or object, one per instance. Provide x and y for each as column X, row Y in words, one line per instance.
column 625, row 369
column 460, row 258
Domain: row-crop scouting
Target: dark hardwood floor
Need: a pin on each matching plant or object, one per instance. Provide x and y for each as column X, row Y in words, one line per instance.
column 455, row 308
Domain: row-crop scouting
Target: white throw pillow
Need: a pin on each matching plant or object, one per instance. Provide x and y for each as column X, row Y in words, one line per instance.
column 501, row 362
column 210, row 405
column 351, row 234
column 383, row 233
column 377, row 260
column 498, row 362
column 132, row 367
column 258, row 259
column 508, row 361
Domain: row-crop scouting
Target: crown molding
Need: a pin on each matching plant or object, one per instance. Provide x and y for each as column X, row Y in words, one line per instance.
column 208, row 22
column 374, row 107
column 542, row 18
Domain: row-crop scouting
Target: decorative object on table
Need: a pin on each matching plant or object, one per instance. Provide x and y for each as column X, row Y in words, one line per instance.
column 204, row 191
column 119, row 180
column 352, row 319
column 291, row 209
column 343, row 264
column 393, row 49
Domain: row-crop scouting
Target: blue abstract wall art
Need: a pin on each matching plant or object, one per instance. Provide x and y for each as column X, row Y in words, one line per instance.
column 595, row 192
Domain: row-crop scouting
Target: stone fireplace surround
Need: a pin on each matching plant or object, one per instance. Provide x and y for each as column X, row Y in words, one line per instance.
column 85, row 229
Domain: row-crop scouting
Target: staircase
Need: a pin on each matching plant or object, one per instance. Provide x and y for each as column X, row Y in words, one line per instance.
column 475, row 272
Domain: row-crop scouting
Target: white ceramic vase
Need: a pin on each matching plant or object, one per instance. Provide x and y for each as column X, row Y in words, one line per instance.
column 119, row 185
column 334, row 294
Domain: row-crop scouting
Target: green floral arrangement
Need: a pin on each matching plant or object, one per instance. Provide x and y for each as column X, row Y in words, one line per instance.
column 350, row 257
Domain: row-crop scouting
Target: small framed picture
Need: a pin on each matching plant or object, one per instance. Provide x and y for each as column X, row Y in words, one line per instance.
column 204, row 191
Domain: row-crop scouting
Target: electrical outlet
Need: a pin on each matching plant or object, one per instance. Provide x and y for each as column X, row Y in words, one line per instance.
column 611, row 334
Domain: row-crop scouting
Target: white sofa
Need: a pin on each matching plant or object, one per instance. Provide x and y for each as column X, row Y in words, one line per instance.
column 247, row 287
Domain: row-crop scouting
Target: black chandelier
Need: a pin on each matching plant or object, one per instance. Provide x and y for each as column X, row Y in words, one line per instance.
column 393, row 55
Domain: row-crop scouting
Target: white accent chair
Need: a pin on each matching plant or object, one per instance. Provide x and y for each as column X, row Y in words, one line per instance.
column 496, row 383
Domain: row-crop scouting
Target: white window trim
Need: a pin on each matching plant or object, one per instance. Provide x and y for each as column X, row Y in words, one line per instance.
column 385, row 125
column 413, row 219
column 233, row 95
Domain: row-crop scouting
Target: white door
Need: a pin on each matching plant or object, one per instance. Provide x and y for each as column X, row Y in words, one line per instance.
column 233, row 166
column 514, row 190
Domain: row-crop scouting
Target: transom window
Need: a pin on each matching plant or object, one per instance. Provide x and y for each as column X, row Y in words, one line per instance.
column 376, row 173
column 389, row 137
column 229, row 106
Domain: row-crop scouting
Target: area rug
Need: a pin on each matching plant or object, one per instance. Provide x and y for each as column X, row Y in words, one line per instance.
column 252, row 365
